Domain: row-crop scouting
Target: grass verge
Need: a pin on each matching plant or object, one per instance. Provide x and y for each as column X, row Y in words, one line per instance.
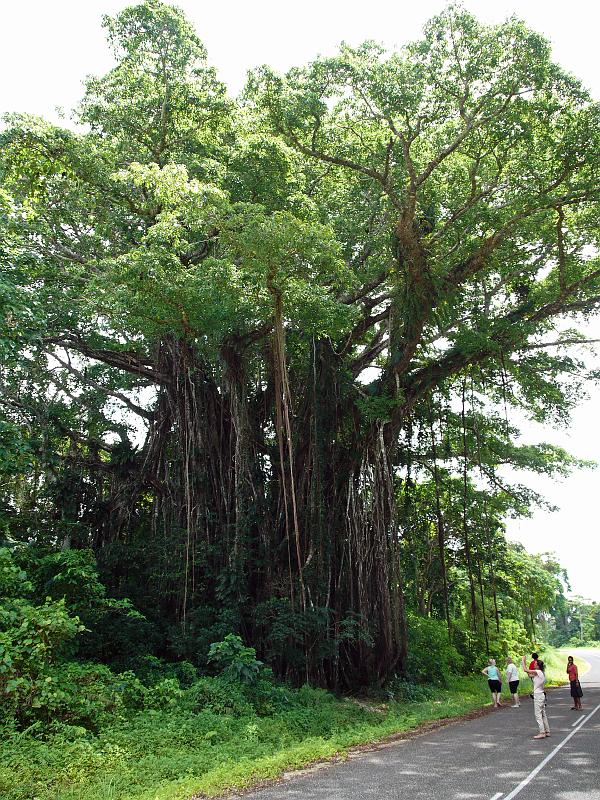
column 583, row 665
column 556, row 665
column 176, row 754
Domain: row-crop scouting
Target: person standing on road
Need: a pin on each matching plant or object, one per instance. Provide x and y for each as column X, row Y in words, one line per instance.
column 494, row 682
column 576, row 690
column 533, row 662
column 512, row 676
column 532, row 665
column 539, row 697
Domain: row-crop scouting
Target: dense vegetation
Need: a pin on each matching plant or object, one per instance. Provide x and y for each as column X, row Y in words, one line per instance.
column 575, row 623
column 257, row 364
column 73, row 728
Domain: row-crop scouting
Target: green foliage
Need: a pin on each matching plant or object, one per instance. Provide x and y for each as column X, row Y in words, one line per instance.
column 13, row 580
column 114, row 630
column 575, row 622
column 37, row 684
column 69, row 693
column 130, row 690
column 512, row 640
column 432, row 658
column 268, row 697
column 234, row 660
column 32, row 638
column 218, row 278
column 178, row 752
column 377, row 408
column 152, row 670
column 16, row 454
column 403, row 691
column 219, row 696
column 163, row 695
column 576, row 641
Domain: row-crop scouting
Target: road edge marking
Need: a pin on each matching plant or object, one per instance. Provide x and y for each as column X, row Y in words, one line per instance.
column 550, row 756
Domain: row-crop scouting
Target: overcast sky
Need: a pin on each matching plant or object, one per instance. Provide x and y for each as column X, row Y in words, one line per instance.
column 48, row 46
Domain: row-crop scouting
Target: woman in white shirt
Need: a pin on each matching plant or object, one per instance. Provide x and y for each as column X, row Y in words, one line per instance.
column 539, row 697
column 512, row 677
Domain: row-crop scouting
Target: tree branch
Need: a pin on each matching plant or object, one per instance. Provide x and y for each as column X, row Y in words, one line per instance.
column 87, row 381
column 126, row 360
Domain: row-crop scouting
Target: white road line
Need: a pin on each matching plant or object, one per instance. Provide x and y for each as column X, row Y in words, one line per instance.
column 577, row 721
column 497, row 796
column 549, row 757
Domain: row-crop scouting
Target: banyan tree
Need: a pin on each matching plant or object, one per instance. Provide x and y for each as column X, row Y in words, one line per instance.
column 225, row 320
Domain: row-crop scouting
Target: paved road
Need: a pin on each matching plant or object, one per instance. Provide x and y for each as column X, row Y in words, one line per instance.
column 489, row 758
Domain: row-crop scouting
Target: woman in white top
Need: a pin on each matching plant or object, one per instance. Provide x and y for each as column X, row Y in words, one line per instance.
column 539, row 697
column 512, row 678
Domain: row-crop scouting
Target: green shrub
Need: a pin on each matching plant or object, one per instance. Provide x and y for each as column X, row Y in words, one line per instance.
column 13, row 580
column 163, row 695
column 31, row 639
column 151, row 670
column 266, row 696
column 431, row 657
column 312, row 697
column 114, row 629
column 131, row 691
column 75, row 694
column 576, row 641
column 204, row 625
column 219, row 696
column 402, row 691
column 185, row 672
column 234, row 660
column 512, row 640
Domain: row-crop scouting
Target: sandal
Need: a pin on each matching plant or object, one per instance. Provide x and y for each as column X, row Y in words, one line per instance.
column 540, row 736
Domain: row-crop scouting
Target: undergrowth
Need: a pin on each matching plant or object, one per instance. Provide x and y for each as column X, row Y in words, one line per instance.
column 208, row 741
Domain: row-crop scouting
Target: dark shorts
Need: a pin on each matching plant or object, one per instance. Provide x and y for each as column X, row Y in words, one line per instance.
column 495, row 686
column 514, row 685
column 576, row 690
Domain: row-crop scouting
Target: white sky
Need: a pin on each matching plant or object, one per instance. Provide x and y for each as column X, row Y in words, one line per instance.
column 48, row 46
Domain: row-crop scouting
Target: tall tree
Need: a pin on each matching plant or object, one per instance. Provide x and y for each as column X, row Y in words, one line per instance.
column 218, row 281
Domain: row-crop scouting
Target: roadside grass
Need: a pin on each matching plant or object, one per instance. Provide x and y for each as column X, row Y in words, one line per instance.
column 583, row 665
column 176, row 754
column 555, row 662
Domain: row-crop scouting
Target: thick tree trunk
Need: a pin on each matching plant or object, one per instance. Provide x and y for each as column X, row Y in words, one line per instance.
column 219, row 488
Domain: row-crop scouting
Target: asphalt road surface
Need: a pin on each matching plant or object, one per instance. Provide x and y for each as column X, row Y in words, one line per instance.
column 489, row 758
